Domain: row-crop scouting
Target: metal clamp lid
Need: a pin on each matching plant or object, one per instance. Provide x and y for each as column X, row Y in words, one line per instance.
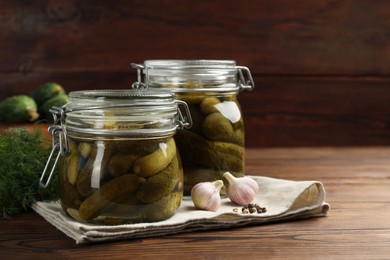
column 243, row 82
column 60, row 143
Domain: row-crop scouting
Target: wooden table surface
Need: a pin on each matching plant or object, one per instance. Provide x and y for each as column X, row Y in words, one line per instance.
column 357, row 181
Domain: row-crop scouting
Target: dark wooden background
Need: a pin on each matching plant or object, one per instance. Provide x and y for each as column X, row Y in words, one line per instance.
column 321, row 67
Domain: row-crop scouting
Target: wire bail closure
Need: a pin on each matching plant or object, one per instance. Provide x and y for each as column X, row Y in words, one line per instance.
column 242, row 82
column 138, row 84
column 60, row 144
column 183, row 121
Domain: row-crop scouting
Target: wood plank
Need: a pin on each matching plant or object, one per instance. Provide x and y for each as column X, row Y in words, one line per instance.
column 310, row 59
column 274, row 241
column 336, row 235
column 271, row 37
column 325, row 163
column 280, row 111
column 357, row 227
column 317, row 111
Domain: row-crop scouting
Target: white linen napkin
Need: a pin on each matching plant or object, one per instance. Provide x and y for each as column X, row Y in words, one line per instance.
column 283, row 199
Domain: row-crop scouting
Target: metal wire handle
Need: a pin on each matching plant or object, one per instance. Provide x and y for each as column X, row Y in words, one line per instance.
column 243, row 83
column 139, row 84
column 60, row 144
column 184, row 121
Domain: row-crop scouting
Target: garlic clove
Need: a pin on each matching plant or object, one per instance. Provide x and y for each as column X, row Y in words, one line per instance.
column 205, row 195
column 241, row 191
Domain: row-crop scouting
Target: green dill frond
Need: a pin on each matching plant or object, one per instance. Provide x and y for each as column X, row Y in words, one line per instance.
column 22, row 159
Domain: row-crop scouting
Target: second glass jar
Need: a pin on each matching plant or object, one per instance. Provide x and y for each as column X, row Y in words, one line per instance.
column 216, row 141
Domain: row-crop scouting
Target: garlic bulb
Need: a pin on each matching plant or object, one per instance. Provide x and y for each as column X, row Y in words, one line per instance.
column 241, row 191
column 205, row 195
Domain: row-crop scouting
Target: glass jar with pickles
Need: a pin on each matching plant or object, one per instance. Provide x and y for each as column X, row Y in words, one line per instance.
column 215, row 143
column 120, row 163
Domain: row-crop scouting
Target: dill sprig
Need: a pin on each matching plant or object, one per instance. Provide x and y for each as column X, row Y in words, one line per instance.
column 23, row 156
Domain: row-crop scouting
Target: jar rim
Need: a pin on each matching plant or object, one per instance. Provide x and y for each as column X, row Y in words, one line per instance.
column 214, row 74
column 189, row 64
column 161, row 99
column 118, row 94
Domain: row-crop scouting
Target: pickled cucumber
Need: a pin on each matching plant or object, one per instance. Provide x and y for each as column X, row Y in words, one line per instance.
column 70, row 198
column 120, row 163
column 153, row 212
column 73, row 167
column 191, row 97
column 139, row 147
column 239, row 125
column 113, row 190
column 159, row 185
column 213, row 154
column 163, row 208
column 207, row 106
column 84, row 149
column 95, row 169
column 218, row 128
column 155, row 162
column 127, row 209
